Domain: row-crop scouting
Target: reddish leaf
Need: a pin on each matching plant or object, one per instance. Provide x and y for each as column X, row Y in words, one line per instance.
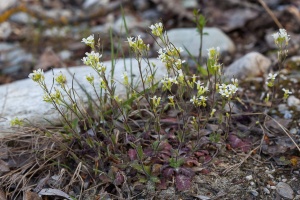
column 186, row 171
column 162, row 185
column 182, row 182
column 165, row 146
column 205, row 171
column 237, row 143
column 168, row 172
column 119, row 179
column 201, row 153
column 132, row 154
column 190, row 162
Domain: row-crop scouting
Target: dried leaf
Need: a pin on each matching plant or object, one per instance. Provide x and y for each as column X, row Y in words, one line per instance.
column 41, row 183
column 156, row 169
column 162, row 185
column 32, row 196
column 168, row 172
column 2, row 195
column 132, row 154
column 3, row 167
column 119, row 178
column 54, row 192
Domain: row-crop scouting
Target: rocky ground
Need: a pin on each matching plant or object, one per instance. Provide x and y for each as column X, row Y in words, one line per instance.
column 47, row 34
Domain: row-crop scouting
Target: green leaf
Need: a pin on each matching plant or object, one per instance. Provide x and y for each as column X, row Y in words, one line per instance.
column 154, row 179
column 138, row 167
column 200, row 69
column 147, row 169
column 175, row 163
column 140, row 152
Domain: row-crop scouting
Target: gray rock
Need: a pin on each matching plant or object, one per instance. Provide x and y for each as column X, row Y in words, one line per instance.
column 251, row 65
column 190, row 4
column 15, row 58
column 152, row 15
column 189, row 38
column 91, row 3
column 141, row 5
column 293, row 101
column 6, row 4
column 119, row 26
column 5, row 30
column 23, row 18
column 23, row 99
column 284, row 190
column 65, row 54
column 6, row 47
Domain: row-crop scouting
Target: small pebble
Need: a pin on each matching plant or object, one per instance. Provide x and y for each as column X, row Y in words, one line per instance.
column 249, row 177
column 254, row 193
column 273, row 187
column 271, row 176
column 266, row 191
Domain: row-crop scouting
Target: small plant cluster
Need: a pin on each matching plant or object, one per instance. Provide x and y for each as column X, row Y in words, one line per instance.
column 142, row 147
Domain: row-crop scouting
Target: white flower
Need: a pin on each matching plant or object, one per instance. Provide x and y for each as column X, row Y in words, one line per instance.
column 213, row 53
column 271, row 76
column 37, row 75
column 235, row 81
column 91, row 59
column 90, row 78
column 137, row 44
column 89, row 40
column 287, row 91
column 194, row 100
column 157, row 29
column 130, row 41
column 227, row 90
column 281, row 37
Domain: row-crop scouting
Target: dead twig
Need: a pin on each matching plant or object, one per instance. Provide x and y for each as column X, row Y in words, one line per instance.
column 240, row 163
column 269, row 11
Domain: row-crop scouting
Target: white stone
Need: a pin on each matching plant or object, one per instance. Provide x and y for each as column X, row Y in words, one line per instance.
column 249, row 177
column 293, row 101
column 190, row 4
column 189, row 38
column 90, row 3
column 251, row 65
column 254, row 193
column 285, row 190
column 23, row 99
column 266, row 191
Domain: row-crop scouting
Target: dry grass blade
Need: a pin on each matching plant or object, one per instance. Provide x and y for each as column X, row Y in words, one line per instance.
column 286, row 132
column 270, row 13
column 240, row 163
